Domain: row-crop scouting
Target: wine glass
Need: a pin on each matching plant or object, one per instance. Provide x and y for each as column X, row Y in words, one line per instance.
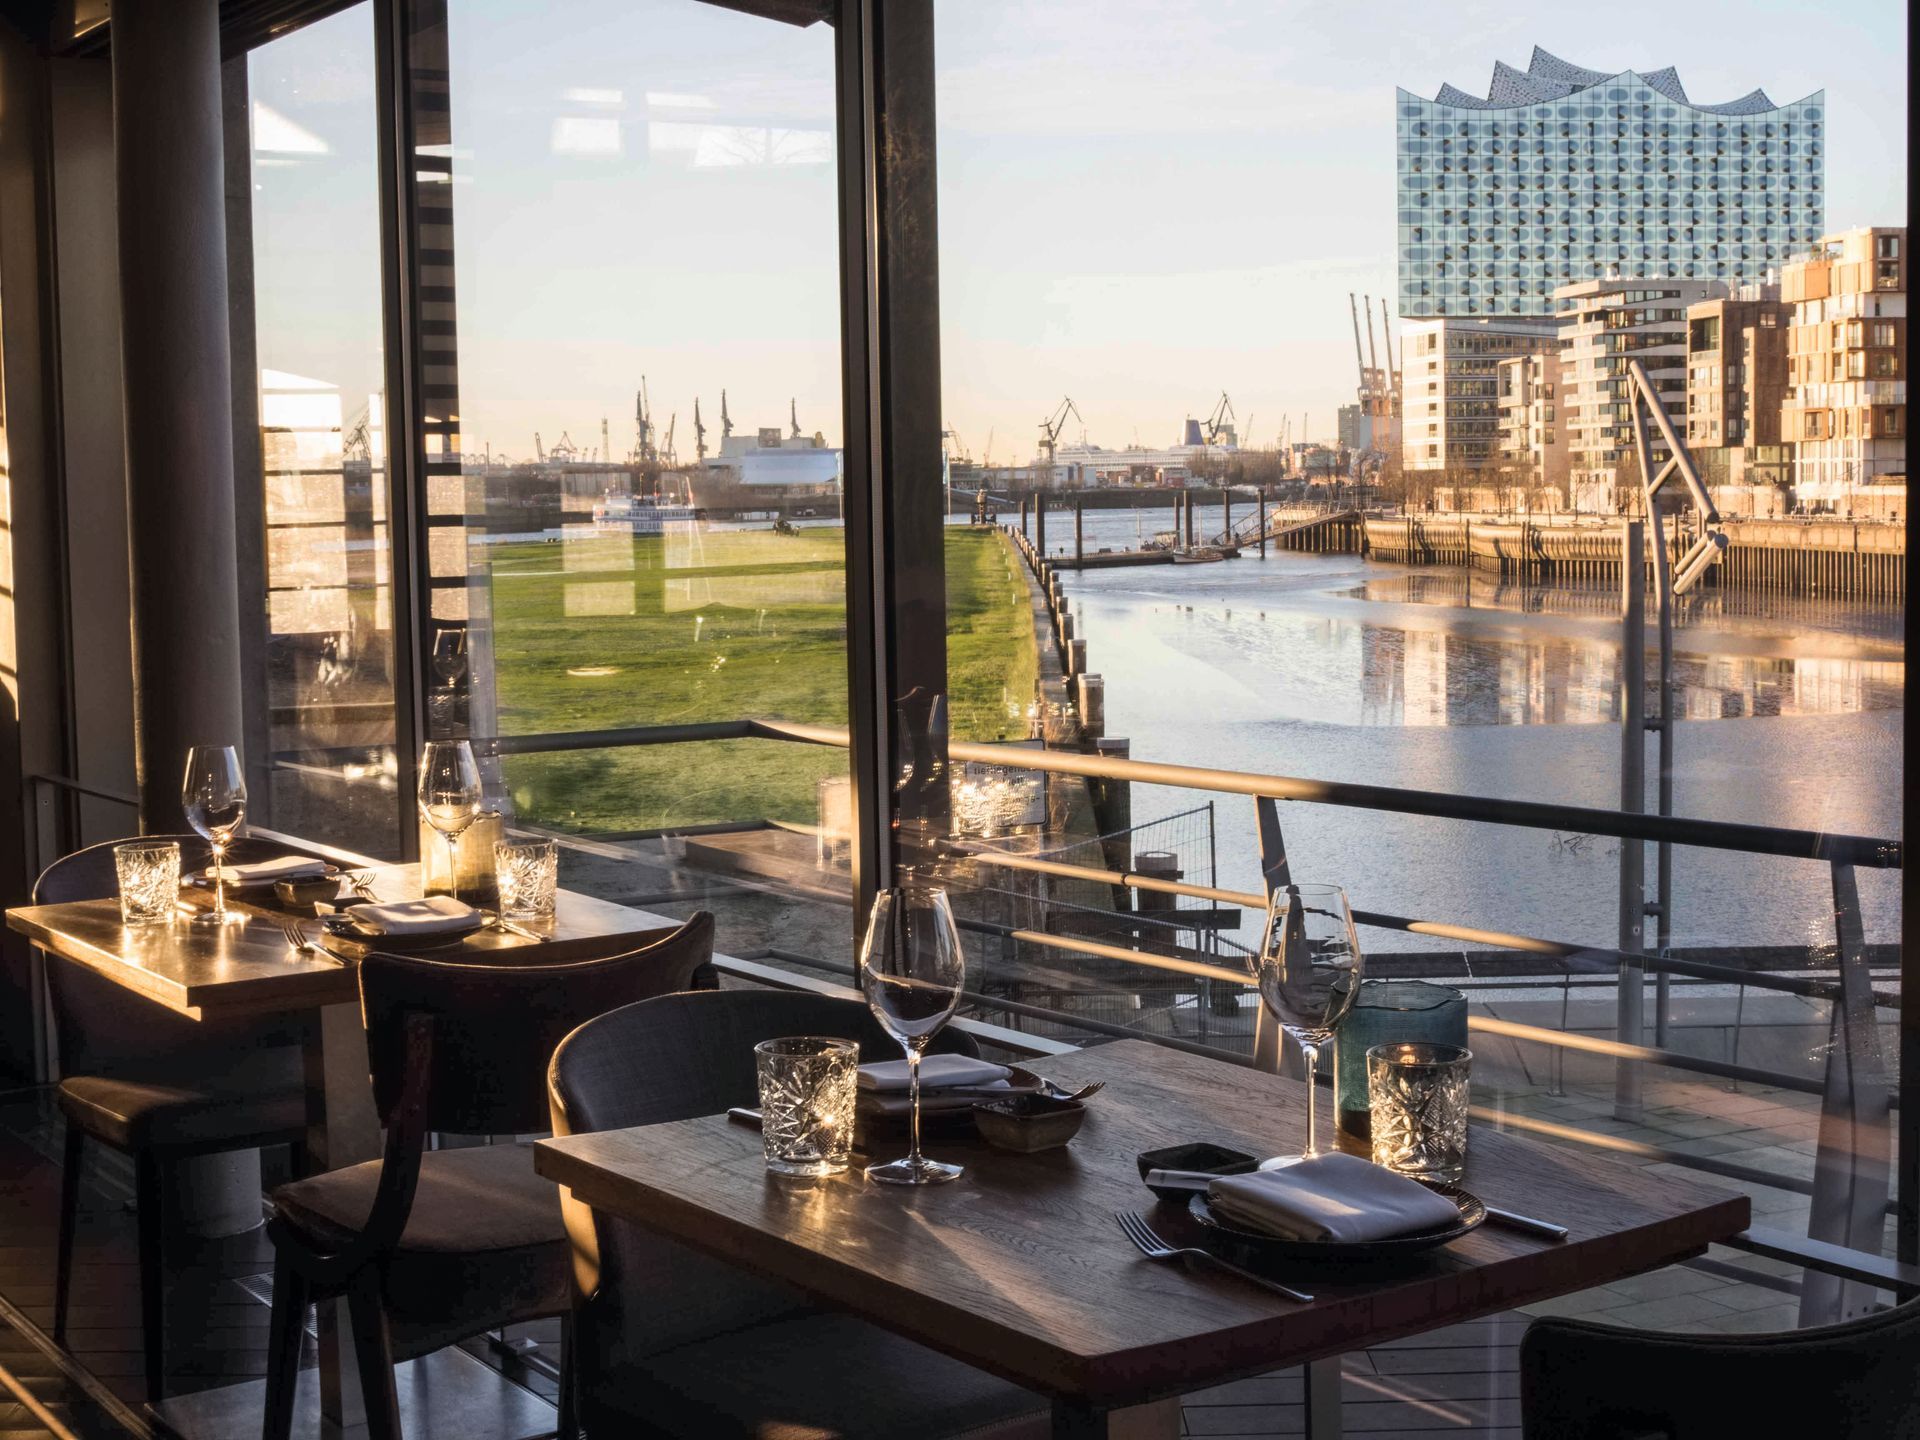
column 451, row 796
column 912, row 969
column 1308, row 971
column 214, row 795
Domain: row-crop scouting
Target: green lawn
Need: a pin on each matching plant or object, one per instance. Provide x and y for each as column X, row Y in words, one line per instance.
column 608, row 632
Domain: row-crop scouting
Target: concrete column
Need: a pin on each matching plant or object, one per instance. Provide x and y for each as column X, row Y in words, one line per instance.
column 177, row 389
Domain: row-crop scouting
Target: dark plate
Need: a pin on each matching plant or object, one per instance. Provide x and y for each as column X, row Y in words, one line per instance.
column 1472, row 1214
column 341, row 928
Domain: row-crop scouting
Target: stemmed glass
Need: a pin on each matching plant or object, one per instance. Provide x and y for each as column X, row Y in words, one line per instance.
column 214, row 795
column 912, row 969
column 450, row 797
column 1308, row 971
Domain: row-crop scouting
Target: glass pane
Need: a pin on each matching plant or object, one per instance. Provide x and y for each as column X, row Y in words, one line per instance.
column 632, row 447
column 318, row 335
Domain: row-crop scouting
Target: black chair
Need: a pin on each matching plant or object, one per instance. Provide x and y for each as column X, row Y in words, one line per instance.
column 157, row 1086
column 1858, row 1380
column 669, row 1342
column 431, row 1247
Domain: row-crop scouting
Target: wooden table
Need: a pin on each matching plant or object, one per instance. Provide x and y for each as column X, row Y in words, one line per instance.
column 205, row 972
column 1018, row 1267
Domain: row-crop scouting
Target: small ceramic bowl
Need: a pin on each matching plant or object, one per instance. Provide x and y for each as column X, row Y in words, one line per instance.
column 319, row 889
column 1212, row 1159
column 1026, row 1123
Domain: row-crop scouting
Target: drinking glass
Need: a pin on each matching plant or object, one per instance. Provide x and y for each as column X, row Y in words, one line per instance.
column 527, row 873
column 214, row 795
column 1308, row 971
column 149, row 875
column 1418, row 1095
column 450, row 796
column 912, row 969
column 807, row 1085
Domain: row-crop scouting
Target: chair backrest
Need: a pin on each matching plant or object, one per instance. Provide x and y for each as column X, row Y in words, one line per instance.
column 495, row 1026
column 101, row 1027
column 688, row 1055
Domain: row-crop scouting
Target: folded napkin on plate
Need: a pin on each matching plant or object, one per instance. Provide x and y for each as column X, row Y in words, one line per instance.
column 1330, row 1197
column 281, row 867
column 413, row 917
column 936, row 1072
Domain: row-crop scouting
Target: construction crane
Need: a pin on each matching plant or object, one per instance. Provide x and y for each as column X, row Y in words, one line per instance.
column 793, row 417
column 726, row 420
column 699, row 432
column 1050, row 430
column 1217, row 423
column 1359, row 359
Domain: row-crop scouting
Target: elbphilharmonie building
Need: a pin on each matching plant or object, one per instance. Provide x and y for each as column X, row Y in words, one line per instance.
column 1563, row 174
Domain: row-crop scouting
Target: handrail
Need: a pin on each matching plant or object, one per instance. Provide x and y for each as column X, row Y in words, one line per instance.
column 92, row 792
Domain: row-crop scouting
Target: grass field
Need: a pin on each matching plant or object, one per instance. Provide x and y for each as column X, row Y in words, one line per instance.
column 612, row 631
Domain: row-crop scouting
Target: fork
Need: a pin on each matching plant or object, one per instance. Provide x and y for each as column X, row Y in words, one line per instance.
column 301, row 945
column 361, row 883
column 1149, row 1244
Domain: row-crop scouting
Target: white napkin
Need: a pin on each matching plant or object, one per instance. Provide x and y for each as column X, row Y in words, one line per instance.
column 430, row 916
column 1330, row 1197
column 937, row 1072
column 282, row 867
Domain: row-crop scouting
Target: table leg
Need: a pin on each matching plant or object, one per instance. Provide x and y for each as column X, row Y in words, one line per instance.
column 342, row 1129
column 1323, row 1399
column 1075, row 1420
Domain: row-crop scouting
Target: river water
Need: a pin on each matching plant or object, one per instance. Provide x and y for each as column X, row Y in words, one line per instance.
column 1329, row 667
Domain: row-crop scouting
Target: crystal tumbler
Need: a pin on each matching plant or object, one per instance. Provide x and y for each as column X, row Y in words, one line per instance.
column 1419, row 1102
column 807, row 1085
column 149, row 872
column 528, row 875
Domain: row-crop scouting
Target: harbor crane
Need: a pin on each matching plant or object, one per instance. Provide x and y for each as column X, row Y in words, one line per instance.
column 643, row 425
column 564, row 448
column 1051, row 427
column 1221, row 421
column 699, row 432
column 726, row 420
column 358, row 443
column 539, row 453
column 606, row 443
column 666, row 450
column 793, row 416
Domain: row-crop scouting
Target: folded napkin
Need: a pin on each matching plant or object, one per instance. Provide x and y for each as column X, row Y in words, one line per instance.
column 936, row 1072
column 413, row 917
column 1330, row 1197
column 282, row 867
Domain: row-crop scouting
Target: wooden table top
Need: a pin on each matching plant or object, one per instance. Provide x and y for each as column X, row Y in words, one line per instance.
column 201, row 971
column 1019, row 1268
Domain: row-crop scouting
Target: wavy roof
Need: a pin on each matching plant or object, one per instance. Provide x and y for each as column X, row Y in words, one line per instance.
column 1548, row 77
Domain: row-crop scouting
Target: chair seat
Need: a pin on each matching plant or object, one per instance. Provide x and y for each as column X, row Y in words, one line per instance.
column 261, row 1098
column 484, row 1244
column 818, row 1377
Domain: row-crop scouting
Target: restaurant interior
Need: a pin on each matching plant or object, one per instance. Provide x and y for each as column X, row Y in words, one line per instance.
column 390, row 1047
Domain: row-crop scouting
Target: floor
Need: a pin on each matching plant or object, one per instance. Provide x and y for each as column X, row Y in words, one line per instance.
column 1461, row 1381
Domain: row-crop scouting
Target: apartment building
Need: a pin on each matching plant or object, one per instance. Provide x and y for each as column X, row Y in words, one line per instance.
column 1533, row 442
column 1450, row 388
column 1846, row 359
column 1605, row 325
column 1736, row 385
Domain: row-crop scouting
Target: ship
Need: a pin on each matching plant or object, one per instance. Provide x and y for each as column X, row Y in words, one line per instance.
column 641, row 514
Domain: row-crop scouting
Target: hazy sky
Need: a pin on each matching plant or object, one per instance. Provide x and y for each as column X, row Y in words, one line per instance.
column 1142, row 202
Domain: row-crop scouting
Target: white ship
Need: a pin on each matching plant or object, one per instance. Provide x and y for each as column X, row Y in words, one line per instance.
column 640, row 515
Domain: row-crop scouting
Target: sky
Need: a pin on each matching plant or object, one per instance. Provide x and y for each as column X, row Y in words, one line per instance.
column 1143, row 203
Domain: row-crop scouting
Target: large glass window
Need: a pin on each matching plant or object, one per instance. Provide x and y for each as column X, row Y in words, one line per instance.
column 321, row 419
column 629, row 251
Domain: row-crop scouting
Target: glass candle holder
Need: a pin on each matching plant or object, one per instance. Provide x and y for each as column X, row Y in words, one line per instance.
column 149, row 875
column 807, row 1085
column 1384, row 1012
column 527, row 873
column 1419, row 1102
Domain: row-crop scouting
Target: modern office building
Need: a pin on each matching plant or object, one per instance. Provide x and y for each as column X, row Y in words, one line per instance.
column 1533, row 441
column 1604, row 324
column 1736, row 383
column 1846, row 358
column 1561, row 173
column 1450, row 384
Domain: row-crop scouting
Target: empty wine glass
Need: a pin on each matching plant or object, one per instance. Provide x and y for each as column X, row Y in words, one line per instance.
column 912, row 969
column 214, row 795
column 1308, row 971
column 451, row 797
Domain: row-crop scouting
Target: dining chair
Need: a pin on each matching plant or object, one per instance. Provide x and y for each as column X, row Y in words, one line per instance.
column 670, row 1342
column 1858, row 1380
column 430, row 1247
column 157, row 1086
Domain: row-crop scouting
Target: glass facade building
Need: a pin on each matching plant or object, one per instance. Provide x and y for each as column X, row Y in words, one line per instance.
column 1562, row 174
